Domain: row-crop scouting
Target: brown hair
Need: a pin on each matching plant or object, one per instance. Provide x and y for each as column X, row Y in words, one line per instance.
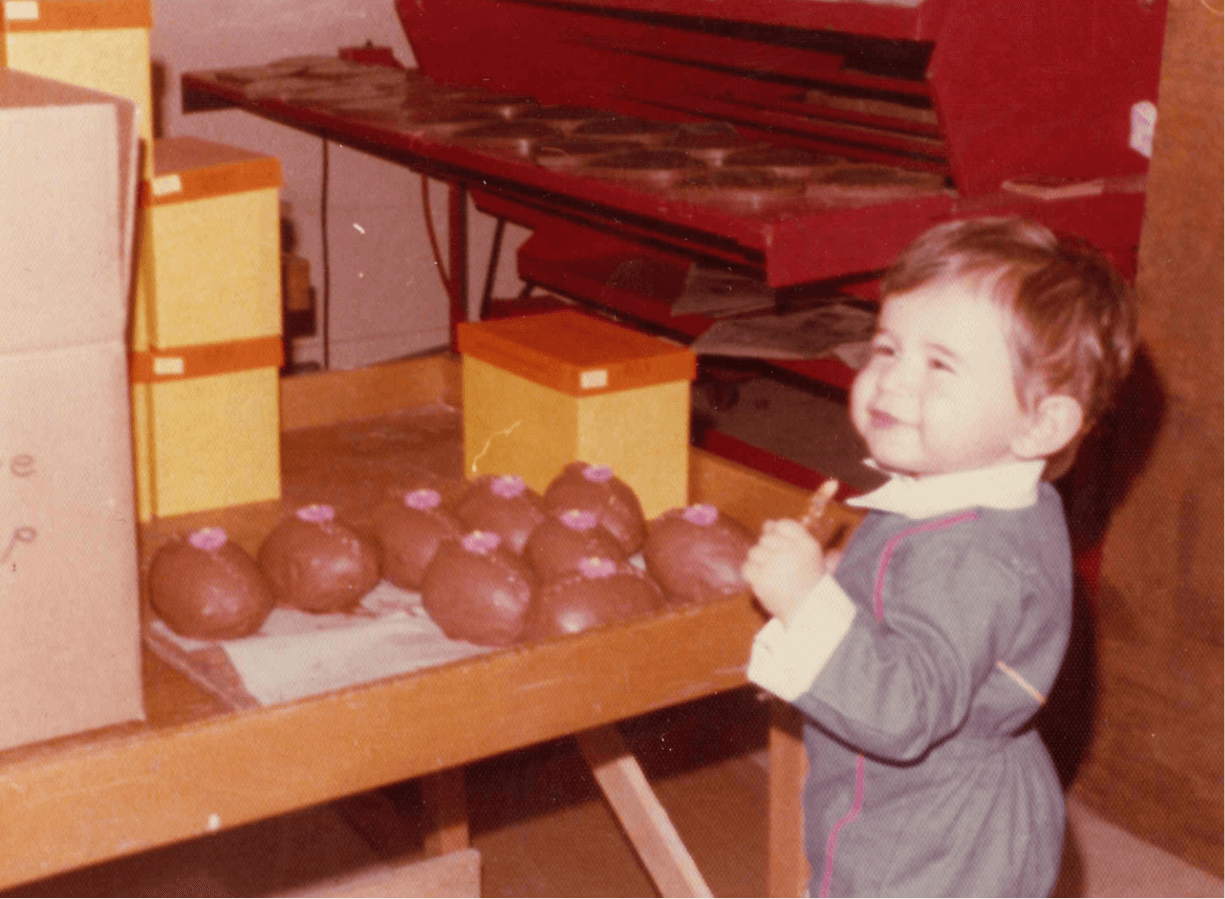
column 1071, row 317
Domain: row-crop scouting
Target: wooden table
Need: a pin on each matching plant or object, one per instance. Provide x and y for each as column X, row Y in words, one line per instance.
column 198, row 765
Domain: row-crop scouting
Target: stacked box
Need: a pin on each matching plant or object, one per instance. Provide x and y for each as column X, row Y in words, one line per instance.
column 70, row 615
column 206, row 330
column 542, row 391
column 99, row 44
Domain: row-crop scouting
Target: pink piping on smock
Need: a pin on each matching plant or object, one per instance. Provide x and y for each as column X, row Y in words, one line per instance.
column 878, row 608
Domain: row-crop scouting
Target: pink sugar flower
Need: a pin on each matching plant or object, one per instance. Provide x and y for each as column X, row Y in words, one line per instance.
column 579, row 519
column 317, row 513
column 208, row 539
column 598, row 474
column 507, row 486
column 595, row 567
column 702, row 514
column 423, row 499
column 481, row 542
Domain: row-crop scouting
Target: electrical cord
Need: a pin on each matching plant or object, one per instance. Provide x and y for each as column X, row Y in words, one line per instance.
column 325, row 301
column 429, row 230
column 495, row 252
column 491, row 272
column 444, row 276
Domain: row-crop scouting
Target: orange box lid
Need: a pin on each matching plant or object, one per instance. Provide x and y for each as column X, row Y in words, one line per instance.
column 188, row 168
column 76, row 15
column 575, row 353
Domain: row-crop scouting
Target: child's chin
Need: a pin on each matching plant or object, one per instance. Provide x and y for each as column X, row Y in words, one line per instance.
column 892, row 458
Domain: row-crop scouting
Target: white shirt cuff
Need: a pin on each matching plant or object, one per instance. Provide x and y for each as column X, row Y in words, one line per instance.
column 787, row 659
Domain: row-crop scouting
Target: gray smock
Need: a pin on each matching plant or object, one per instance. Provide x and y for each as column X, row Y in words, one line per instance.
column 924, row 779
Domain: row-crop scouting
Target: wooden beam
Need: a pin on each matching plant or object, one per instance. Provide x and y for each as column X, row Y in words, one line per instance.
column 644, row 820
column 788, row 871
column 446, row 806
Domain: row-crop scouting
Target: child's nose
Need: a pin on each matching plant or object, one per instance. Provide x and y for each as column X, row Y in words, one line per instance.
column 898, row 375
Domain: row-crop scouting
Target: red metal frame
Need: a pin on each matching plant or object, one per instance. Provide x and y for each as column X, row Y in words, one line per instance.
column 1033, row 87
column 1022, row 88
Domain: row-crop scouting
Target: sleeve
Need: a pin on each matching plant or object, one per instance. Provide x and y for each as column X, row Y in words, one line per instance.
column 895, row 687
column 786, row 659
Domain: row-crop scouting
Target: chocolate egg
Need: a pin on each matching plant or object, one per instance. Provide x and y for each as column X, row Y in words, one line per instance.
column 207, row 587
column 597, row 489
column 317, row 563
column 475, row 589
column 505, row 505
column 564, row 539
column 600, row 592
column 695, row 553
column 409, row 531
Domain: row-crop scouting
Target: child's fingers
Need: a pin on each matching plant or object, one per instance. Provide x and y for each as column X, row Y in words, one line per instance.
column 770, row 527
column 771, row 545
column 761, row 554
column 786, row 536
column 792, row 530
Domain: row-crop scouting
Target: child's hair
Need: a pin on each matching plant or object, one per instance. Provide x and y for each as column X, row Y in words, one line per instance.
column 1070, row 316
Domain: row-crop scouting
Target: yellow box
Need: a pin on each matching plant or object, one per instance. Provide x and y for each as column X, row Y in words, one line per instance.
column 206, row 424
column 209, row 258
column 542, row 391
column 99, row 44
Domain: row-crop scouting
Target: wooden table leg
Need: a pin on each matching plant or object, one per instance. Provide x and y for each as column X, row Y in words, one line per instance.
column 446, row 807
column 644, row 820
column 788, row 868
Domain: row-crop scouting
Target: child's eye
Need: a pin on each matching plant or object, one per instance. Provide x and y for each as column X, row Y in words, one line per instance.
column 936, row 364
column 882, row 348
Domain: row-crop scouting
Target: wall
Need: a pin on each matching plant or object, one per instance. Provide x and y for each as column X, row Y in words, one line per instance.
column 1154, row 763
column 386, row 296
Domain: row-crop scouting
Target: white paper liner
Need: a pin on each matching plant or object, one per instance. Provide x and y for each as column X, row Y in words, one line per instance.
column 297, row 654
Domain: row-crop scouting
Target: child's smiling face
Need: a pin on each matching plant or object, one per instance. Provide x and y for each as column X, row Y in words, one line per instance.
column 938, row 394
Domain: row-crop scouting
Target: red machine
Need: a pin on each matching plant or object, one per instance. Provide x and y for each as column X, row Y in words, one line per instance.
column 978, row 92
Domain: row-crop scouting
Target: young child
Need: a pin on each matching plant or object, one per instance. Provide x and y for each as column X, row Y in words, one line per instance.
column 919, row 662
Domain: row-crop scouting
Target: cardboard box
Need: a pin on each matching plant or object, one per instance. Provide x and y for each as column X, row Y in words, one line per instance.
column 542, row 391
column 70, row 621
column 210, row 249
column 207, row 426
column 206, row 330
column 100, row 44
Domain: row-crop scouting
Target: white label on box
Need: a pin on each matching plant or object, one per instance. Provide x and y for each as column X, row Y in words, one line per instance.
column 21, row 10
column 596, row 378
column 167, row 184
column 168, row 365
column 1143, row 125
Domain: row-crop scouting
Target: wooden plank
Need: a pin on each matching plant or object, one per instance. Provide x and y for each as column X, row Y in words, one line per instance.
column 447, row 808
column 320, row 398
column 788, row 873
column 154, row 785
column 753, row 498
column 644, row 820
column 1156, row 757
column 196, row 766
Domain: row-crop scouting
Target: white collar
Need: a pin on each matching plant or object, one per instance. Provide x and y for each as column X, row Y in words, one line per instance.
column 1013, row 485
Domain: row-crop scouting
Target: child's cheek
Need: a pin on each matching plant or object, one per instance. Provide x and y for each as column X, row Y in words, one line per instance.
column 862, row 389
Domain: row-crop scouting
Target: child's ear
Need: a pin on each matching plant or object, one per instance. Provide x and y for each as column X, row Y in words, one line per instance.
column 1053, row 425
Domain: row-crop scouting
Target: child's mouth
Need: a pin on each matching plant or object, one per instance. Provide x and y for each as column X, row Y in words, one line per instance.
column 883, row 420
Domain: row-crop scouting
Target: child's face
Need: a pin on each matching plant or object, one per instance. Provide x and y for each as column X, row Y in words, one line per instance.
column 937, row 395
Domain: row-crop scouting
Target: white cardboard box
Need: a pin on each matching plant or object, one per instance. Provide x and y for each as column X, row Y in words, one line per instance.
column 69, row 588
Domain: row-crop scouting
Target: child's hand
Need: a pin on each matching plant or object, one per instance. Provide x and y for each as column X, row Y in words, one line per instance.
column 784, row 566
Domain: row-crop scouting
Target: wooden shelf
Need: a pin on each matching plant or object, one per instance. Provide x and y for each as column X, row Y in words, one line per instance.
column 198, row 765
